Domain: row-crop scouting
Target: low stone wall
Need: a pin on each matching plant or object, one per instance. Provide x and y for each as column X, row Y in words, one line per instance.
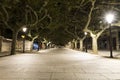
column 5, row 45
column 19, row 45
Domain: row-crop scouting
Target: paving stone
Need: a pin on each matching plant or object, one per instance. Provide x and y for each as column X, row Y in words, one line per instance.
column 59, row 64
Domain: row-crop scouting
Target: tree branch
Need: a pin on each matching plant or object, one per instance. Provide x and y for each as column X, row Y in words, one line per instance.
column 36, row 16
column 90, row 14
column 70, row 33
column 116, row 24
column 35, row 37
column 100, row 32
column 29, row 34
column 111, row 3
column 83, row 38
column 43, row 16
column 7, row 16
column 49, row 17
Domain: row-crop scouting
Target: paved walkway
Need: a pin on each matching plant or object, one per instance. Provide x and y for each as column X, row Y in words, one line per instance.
column 116, row 54
column 2, row 54
column 59, row 64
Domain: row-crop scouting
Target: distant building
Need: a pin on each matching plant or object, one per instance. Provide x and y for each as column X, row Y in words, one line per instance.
column 103, row 41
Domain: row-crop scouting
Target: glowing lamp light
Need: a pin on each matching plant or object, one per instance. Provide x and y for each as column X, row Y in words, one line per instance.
column 23, row 36
column 24, row 29
column 85, row 33
column 109, row 18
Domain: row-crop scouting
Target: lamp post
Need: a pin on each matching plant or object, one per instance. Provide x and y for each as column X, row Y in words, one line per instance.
column 109, row 18
column 85, row 42
column 23, row 37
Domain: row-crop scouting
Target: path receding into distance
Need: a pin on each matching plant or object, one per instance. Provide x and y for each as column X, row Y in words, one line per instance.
column 59, row 64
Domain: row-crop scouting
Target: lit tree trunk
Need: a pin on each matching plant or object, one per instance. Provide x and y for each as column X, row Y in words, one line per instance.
column 71, row 44
column 95, row 38
column 75, row 44
column 81, row 44
column 42, row 44
column 94, row 45
column 14, row 39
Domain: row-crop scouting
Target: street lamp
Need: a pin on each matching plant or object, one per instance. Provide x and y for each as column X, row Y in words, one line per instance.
column 23, row 37
column 85, row 42
column 109, row 18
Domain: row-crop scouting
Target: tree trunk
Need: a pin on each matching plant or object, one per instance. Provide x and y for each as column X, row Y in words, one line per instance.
column 71, row 45
column 81, row 45
column 14, row 39
column 0, row 32
column 75, row 44
column 31, row 48
column 0, row 43
column 94, row 45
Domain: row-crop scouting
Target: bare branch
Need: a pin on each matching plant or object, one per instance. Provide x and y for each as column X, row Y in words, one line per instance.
column 43, row 16
column 100, row 32
column 84, row 2
column 1, row 15
column 26, row 19
column 29, row 34
column 90, row 14
column 7, row 16
column 117, row 9
column 71, row 33
column 35, row 13
column 87, row 30
column 49, row 17
column 82, row 38
column 35, row 37
column 45, row 3
column 7, row 25
column 111, row 3
column 116, row 24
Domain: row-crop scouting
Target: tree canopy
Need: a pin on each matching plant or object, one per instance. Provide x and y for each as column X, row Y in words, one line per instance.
column 58, row 21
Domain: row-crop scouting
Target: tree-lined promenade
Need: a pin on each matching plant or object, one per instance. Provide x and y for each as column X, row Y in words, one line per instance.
column 58, row 22
column 59, row 64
